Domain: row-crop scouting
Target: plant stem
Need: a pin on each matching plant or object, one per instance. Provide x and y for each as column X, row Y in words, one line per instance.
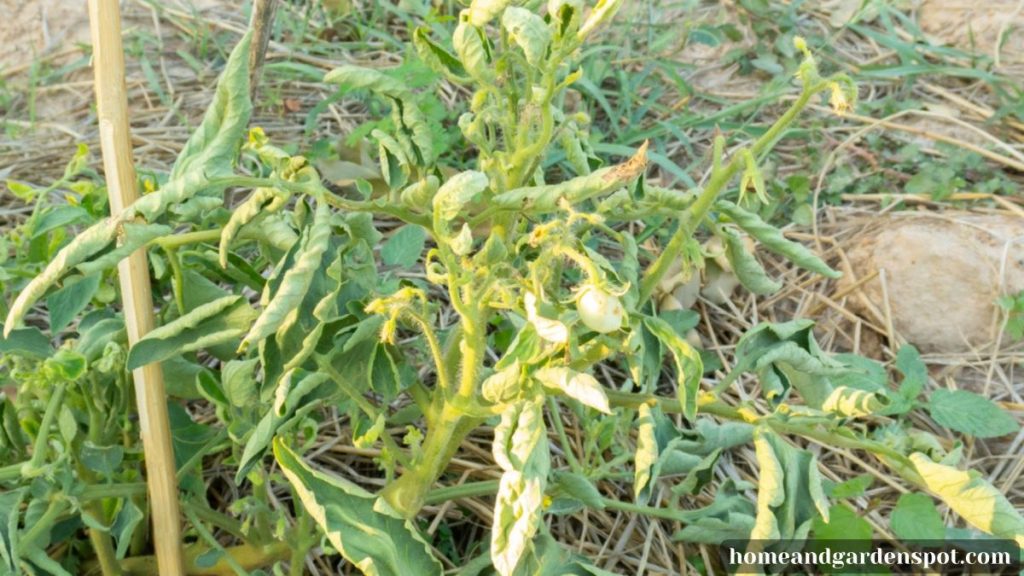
column 56, row 507
column 247, row 556
column 39, row 446
column 466, row 490
column 709, row 405
column 296, row 565
column 408, row 493
column 102, row 545
column 720, row 177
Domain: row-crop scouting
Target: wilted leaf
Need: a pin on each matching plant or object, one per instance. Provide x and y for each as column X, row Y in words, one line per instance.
column 222, row 320
column 377, row 543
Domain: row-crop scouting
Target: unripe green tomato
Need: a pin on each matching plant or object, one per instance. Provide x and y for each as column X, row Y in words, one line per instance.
column 600, row 311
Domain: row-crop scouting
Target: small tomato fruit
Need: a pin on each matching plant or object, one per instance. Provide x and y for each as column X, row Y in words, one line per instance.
column 600, row 311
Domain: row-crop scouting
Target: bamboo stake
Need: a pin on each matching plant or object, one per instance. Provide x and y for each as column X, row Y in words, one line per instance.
column 133, row 272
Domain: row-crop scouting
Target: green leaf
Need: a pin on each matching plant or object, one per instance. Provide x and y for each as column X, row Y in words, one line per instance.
column 576, row 385
column 104, row 460
column 404, row 247
column 296, row 281
column 746, row 267
column 528, row 31
column 91, row 241
column 786, row 355
column 915, row 373
column 133, row 237
column 436, row 56
column 481, row 12
column 521, row 450
column 456, row 192
column 729, row 517
column 915, row 517
column 843, row 524
column 58, row 217
column 852, row 488
column 408, row 118
column 970, row 413
column 469, row 45
column 287, row 399
column 700, row 476
column 972, row 497
column 689, row 367
column 29, row 342
column 222, row 320
column 503, row 385
column 579, row 487
column 260, row 201
column 10, row 504
column 238, row 381
column 127, row 520
column 214, row 145
column 378, row 543
column 212, row 149
column 70, row 300
column 773, row 240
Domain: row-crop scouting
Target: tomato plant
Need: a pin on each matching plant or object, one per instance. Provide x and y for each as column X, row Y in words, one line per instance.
column 290, row 304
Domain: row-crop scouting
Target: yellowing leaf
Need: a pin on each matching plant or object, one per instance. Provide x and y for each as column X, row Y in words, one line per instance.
column 689, row 366
column 521, row 449
column 577, row 385
column 972, row 497
column 646, row 450
column 549, row 329
column 375, row 542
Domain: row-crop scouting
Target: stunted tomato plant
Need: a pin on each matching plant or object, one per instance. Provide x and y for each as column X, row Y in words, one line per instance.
column 279, row 308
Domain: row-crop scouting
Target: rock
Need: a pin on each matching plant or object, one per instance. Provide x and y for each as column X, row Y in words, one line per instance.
column 943, row 275
column 978, row 27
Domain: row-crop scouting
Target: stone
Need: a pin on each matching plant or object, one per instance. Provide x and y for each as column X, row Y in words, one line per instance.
column 944, row 274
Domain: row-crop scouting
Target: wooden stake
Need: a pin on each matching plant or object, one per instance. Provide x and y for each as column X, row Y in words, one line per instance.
column 115, row 141
column 262, row 25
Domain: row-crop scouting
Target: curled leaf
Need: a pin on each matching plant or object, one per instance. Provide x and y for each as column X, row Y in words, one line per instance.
column 773, row 239
column 521, row 450
column 577, row 385
column 296, row 280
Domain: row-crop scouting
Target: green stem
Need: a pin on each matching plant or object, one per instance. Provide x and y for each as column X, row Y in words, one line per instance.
column 570, row 457
column 303, row 542
column 39, row 446
column 212, row 542
column 408, row 493
column 178, row 240
column 218, row 519
column 102, row 544
column 43, row 524
column 709, row 405
column 247, row 556
column 720, row 177
column 117, row 490
column 466, row 490
column 12, row 471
